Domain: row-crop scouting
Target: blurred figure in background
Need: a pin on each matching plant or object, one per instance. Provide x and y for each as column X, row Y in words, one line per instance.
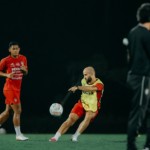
column 13, row 67
column 138, row 77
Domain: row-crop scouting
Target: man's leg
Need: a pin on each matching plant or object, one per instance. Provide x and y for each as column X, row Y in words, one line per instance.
column 5, row 114
column 84, row 124
column 139, row 105
column 16, row 121
column 147, row 142
column 65, row 126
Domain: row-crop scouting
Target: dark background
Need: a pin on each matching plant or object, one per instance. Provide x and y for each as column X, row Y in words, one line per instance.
column 60, row 38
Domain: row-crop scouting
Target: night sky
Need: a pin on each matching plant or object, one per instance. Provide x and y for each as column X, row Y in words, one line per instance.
column 60, row 38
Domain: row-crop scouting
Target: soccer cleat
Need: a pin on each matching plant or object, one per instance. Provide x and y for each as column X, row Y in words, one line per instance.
column 21, row 137
column 53, row 139
column 74, row 139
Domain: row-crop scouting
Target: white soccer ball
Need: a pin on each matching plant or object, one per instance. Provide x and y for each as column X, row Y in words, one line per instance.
column 56, row 109
column 2, row 131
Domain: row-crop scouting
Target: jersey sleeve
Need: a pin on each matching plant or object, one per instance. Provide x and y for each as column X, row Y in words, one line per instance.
column 99, row 86
column 2, row 64
column 25, row 62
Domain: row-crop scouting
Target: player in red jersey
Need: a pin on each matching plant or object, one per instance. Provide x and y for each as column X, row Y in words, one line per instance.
column 88, row 105
column 13, row 67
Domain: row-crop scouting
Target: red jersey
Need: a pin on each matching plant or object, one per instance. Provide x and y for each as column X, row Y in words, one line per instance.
column 12, row 65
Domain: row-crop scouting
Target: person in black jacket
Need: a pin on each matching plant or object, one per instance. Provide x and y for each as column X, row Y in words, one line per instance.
column 138, row 77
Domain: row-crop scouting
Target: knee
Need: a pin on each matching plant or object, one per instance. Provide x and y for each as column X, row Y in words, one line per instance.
column 6, row 113
column 88, row 118
column 70, row 121
column 18, row 111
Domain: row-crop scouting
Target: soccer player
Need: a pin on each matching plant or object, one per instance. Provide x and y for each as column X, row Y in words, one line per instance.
column 88, row 105
column 139, row 76
column 13, row 67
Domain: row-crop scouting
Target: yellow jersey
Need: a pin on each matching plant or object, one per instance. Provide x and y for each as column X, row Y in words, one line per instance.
column 91, row 100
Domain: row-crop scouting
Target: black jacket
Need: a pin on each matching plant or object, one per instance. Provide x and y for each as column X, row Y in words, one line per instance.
column 139, row 51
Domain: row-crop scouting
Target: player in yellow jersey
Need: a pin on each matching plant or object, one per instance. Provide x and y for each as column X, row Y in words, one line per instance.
column 88, row 105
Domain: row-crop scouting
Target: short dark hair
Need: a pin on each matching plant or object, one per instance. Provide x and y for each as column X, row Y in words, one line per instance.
column 13, row 43
column 143, row 13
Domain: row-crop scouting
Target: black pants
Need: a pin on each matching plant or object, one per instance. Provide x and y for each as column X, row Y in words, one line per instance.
column 140, row 108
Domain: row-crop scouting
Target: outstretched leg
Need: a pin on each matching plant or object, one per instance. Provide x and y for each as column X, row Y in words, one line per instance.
column 65, row 126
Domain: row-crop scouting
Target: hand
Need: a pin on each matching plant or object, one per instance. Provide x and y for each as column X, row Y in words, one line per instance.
column 73, row 89
column 10, row 75
column 24, row 69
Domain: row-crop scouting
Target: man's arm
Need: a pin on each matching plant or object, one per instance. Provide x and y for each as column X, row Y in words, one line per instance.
column 83, row 88
column 7, row 75
column 24, row 70
column 87, row 88
column 147, row 44
column 24, row 67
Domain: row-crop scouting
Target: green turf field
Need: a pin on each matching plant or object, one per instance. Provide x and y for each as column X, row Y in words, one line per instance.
column 86, row 142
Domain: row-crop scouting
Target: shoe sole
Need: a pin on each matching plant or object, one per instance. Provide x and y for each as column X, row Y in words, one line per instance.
column 22, row 140
column 51, row 140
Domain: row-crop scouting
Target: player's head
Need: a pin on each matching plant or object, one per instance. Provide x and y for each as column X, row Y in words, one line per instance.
column 143, row 13
column 14, row 49
column 89, row 74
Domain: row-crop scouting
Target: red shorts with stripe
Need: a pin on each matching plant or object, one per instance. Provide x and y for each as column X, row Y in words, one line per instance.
column 12, row 97
column 79, row 110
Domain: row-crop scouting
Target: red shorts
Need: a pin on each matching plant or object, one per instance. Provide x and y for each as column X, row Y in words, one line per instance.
column 12, row 97
column 79, row 110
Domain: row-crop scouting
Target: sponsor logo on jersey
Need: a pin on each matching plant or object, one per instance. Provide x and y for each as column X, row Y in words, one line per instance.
column 15, row 99
column 12, row 65
column 17, row 64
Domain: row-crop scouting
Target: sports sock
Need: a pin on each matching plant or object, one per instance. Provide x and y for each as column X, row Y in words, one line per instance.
column 76, row 134
column 57, row 135
column 17, row 129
